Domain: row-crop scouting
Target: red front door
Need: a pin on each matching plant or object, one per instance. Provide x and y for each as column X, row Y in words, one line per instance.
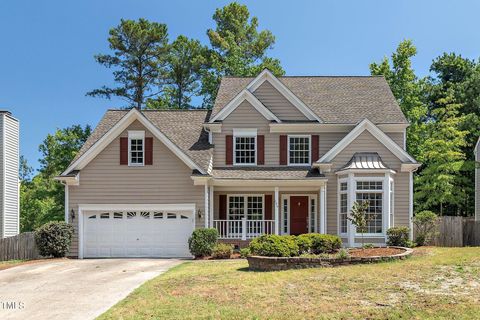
column 298, row 215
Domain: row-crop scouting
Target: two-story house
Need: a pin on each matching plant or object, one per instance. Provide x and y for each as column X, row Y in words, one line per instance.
column 286, row 155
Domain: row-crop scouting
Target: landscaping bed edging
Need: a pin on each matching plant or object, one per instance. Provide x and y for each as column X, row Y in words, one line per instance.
column 261, row 263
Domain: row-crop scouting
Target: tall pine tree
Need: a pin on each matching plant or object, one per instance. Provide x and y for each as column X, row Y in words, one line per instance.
column 238, row 48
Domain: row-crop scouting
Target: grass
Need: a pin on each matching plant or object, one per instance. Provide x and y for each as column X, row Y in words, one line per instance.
column 436, row 283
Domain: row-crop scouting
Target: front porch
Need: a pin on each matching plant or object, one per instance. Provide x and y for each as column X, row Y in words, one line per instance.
column 246, row 213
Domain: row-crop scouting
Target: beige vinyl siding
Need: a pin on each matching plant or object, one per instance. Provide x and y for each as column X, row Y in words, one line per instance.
column 246, row 116
column 277, row 103
column 105, row 181
column 398, row 138
column 11, row 158
column 327, row 140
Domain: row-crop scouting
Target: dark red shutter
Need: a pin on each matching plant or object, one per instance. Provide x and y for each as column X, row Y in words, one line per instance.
column 222, row 207
column 314, row 148
column 228, row 149
column 283, row 150
column 123, row 151
column 260, row 150
column 268, row 212
column 268, row 207
column 148, row 151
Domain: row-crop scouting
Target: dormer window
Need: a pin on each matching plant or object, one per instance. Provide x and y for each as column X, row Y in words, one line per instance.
column 298, row 150
column 136, row 148
column 245, row 146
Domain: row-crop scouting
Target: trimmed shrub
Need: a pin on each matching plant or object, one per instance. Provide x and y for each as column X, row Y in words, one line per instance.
column 426, row 225
column 271, row 245
column 317, row 243
column 245, row 252
column 304, row 242
column 222, row 251
column 202, row 242
column 398, row 236
column 325, row 243
column 54, row 239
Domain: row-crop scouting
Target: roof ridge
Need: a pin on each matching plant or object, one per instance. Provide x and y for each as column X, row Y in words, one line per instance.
column 313, row 76
column 162, row 110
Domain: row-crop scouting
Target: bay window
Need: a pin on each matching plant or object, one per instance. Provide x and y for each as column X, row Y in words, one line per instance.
column 370, row 190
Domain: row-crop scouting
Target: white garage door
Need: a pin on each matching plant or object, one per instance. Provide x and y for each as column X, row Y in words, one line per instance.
column 137, row 233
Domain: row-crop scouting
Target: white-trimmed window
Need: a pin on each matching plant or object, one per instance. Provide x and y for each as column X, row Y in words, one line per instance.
column 136, row 148
column 298, row 150
column 313, row 215
column 250, row 207
column 343, row 207
column 245, row 146
column 286, row 216
column 372, row 192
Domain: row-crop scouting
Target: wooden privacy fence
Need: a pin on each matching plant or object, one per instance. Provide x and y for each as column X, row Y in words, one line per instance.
column 456, row 232
column 19, row 247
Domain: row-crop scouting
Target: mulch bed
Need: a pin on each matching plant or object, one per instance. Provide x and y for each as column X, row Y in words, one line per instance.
column 235, row 255
column 375, row 252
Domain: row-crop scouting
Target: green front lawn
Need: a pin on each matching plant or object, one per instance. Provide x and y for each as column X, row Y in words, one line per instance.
column 436, row 283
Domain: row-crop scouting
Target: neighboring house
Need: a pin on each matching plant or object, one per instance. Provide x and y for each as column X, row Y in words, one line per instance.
column 286, row 155
column 9, row 187
column 477, row 180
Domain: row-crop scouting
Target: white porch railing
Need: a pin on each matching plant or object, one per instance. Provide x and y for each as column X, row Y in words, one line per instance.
column 243, row 229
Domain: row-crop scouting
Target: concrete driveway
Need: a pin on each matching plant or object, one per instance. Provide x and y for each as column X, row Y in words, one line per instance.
column 73, row 289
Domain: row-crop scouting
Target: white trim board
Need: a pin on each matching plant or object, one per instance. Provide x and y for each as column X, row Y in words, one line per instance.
column 266, row 75
column 377, row 133
column 242, row 96
column 117, row 129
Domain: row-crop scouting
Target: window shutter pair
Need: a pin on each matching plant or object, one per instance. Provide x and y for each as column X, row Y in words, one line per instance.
column 229, row 150
column 284, row 149
column 148, row 151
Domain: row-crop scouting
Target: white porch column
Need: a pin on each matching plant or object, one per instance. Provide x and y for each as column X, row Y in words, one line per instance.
column 410, row 206
column 206, row 215
column 277, row 212
column 386, row 204
column 321, row 205
column 352, row 229
column 211, row 201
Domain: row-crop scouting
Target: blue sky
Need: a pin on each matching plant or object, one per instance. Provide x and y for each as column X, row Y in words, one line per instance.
column 47, row 65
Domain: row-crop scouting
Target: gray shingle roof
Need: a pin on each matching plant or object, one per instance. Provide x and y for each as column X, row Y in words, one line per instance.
column 183, row 127
column 335, row 99
column 265, row 173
